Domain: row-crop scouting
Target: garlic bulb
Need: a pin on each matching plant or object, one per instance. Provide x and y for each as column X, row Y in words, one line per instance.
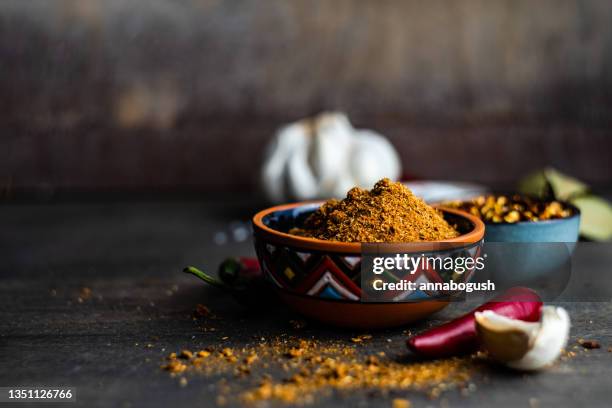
column 524, row 345
column 324, row 157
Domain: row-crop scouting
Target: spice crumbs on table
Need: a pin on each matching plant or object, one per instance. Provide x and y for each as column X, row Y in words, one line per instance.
column 202, row 311
column 400, row 403
column 315, row 368
column 297, row 324
column 589, row 344
column 361, row 338
column 174, row 366
column 250, row 358
column 85, row 293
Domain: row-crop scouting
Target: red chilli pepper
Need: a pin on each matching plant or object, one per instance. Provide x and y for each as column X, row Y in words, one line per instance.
column 243, row 278
column 459, row 336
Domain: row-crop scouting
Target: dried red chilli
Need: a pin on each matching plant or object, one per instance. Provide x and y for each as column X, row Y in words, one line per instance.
column 459, row 335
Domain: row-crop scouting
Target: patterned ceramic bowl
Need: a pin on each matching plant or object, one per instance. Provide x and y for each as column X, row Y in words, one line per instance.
column 322, row 279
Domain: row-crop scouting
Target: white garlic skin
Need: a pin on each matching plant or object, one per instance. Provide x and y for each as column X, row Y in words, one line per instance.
column 549, row 341
column 324, row 157
column 546, row 338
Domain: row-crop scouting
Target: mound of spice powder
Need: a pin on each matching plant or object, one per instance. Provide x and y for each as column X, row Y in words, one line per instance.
column 390, row 212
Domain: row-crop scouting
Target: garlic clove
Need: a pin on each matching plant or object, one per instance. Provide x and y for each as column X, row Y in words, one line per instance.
column 329, row 152
column 505, row 339
column 287, row 140
column 373, row 158
column 524, row 345
column 323, row 157
column 549, row 342
column 343, row 183
column 301, row 182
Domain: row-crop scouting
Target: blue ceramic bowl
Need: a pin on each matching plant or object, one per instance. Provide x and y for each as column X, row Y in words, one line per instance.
column 534, row 254
column 557, row 230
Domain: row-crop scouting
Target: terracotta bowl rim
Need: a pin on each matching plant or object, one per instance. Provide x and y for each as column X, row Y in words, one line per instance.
column 295, row 241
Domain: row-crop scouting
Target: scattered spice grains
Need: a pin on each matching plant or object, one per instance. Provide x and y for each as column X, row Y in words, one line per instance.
column 361, row 338
column 589, row 344
column 400, row 403
column 250, row 358
column 85, row 293
column 297, row 324
column 330, row 373
column 202, row 311
column 387, row 213
column 174, row 366
column 568, row 354
column 313, row 368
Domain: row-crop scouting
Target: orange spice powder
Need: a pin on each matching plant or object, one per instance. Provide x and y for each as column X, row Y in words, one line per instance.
column 390, row 212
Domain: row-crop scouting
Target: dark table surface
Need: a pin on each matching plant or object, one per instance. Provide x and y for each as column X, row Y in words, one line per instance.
column 131, row 253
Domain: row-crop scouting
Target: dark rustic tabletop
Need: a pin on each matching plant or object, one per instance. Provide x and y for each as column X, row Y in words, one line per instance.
column 109, row 343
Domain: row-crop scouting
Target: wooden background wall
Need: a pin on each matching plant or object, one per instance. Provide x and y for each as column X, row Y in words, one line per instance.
column 184, row 94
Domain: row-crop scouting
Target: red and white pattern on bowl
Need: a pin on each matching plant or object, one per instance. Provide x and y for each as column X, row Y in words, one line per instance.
column 337, row 276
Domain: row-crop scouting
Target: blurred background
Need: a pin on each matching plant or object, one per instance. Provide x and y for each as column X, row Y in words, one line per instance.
column 168, row 95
